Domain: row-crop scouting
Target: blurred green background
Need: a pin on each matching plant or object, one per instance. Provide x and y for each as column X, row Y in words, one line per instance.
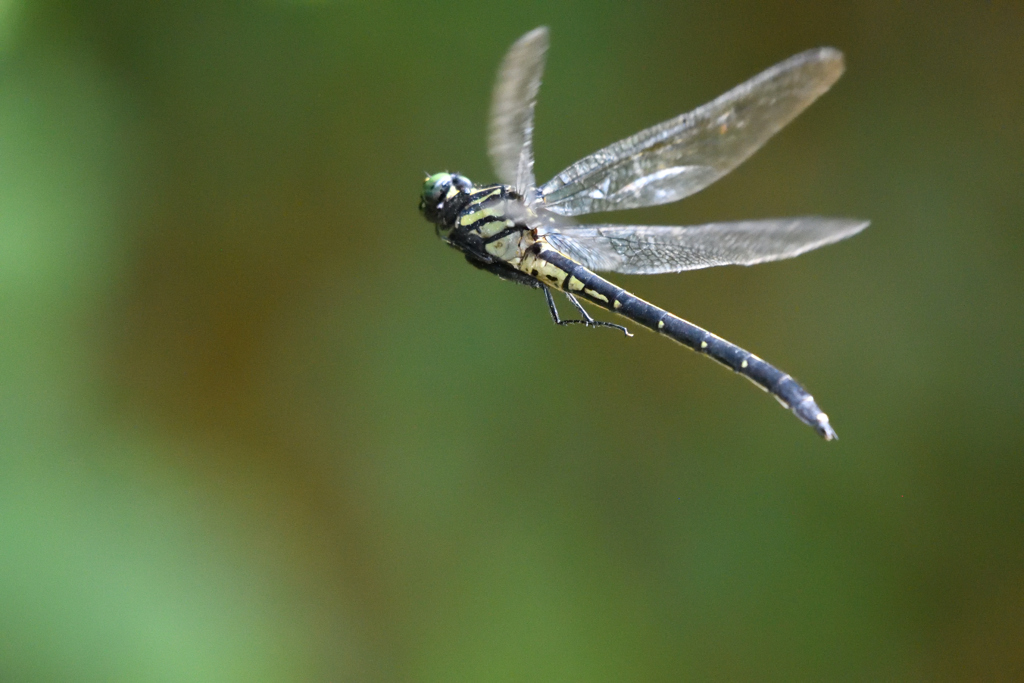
column 258, row 424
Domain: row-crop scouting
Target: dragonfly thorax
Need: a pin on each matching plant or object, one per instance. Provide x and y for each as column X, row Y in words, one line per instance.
column 486, row 223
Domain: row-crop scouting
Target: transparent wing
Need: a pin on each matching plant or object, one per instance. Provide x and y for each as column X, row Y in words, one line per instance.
column 510, row 136
column 648, row 249
column 683, row 155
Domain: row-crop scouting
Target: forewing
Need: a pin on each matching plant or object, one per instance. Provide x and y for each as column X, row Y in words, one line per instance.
column 510, row 135
column 683, row 155
column 648, row 249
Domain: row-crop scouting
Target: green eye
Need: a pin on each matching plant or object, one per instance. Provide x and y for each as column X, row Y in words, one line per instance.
column 435, row 187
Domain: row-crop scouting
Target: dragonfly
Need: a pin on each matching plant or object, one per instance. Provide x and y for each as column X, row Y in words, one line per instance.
column 525, row 233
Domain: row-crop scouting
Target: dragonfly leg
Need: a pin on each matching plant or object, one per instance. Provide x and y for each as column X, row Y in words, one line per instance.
column 587, row 321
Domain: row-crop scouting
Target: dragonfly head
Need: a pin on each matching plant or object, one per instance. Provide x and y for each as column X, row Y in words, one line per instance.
column 442, row 198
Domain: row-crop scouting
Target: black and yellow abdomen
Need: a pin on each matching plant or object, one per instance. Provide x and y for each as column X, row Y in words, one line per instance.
column 560, row 272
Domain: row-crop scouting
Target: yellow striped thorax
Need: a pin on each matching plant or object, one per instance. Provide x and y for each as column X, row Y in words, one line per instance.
column 489, row 224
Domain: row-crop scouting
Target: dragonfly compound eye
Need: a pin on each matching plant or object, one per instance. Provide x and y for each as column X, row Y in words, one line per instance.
column 434, row 189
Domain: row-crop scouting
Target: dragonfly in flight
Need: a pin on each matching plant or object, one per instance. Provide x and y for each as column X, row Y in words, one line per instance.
column 524, row 233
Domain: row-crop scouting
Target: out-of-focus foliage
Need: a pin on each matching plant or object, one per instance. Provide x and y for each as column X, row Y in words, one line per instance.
column 258, row 424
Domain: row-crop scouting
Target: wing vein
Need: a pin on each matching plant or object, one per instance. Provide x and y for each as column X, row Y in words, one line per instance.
column 683, row 155
column 649, row 249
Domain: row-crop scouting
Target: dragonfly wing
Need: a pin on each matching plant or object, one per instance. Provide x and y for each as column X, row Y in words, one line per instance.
column 510, row 136
column 683, row 155
column 648, row 249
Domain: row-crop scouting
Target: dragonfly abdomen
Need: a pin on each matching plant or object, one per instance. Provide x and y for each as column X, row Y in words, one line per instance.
column 586, row 284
